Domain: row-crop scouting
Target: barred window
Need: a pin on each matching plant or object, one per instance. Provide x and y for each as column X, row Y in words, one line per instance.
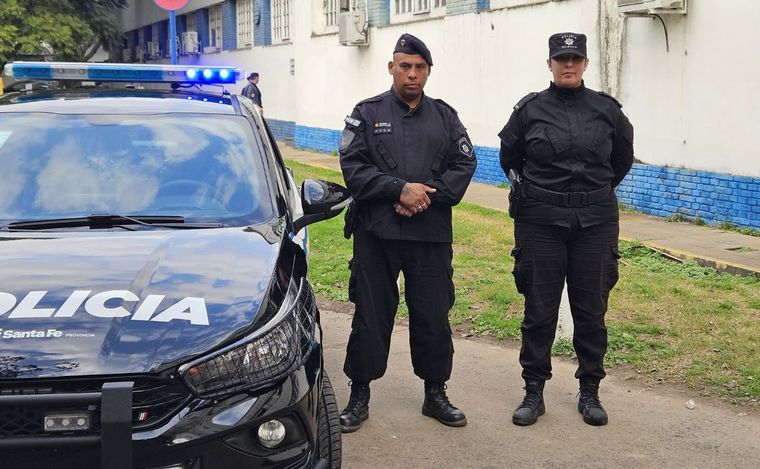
column 281, row 20
column 332, row 8
column 404, row 9
column 244, row 11
column 192, row 23
column 215, row 26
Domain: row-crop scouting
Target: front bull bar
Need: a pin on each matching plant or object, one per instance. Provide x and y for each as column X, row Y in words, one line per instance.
column 115, row 437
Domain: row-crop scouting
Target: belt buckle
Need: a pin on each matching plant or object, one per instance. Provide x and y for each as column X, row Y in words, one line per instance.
column 576, row 199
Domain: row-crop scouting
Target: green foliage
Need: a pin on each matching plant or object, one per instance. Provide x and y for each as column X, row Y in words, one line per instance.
column 62, row 29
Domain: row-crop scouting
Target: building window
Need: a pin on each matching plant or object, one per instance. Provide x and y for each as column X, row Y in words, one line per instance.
column 192, row 23
column 408, row 10
column 333, row 8
column 215, row 26
column 244, row 11
column 280, row 20
column 514, row 3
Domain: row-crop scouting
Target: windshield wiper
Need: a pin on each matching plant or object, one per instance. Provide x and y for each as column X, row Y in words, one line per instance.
column 98, row 221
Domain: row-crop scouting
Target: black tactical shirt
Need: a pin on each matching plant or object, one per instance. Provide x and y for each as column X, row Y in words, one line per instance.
column 568, row 140
column 386, row 144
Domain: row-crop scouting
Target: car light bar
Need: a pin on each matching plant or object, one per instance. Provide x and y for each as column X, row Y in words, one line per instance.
column 157, row 73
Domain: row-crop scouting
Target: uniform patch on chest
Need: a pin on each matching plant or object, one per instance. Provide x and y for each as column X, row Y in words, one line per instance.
column 383, row 128
column 465, row 147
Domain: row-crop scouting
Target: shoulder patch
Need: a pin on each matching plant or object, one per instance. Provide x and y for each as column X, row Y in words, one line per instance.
column 525, row 100
column 353, row 122
column 610, row 97
column 440, row 101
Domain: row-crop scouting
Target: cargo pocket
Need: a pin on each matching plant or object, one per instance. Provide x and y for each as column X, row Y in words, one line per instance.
column 387, row 158
column 452, row 291
column 438, row 162
column 352, row 267
column 517, row 271
column 612, row 273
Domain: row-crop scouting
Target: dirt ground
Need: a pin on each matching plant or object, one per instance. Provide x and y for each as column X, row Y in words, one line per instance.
column 651, row 425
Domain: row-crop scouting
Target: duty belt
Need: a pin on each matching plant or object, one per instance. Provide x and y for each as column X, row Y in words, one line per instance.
column 567, row 199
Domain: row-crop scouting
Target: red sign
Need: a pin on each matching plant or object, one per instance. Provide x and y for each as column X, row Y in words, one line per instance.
column 171, row 5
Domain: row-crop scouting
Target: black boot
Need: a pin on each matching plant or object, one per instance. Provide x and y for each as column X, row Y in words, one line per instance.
column 532, row 405
column 357, row 410
column 589, row 405
column 437, row 406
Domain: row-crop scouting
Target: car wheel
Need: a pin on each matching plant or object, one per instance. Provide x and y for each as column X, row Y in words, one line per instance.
column 329, row 425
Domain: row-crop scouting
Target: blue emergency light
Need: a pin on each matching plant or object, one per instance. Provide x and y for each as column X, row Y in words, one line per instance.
column 154, row 73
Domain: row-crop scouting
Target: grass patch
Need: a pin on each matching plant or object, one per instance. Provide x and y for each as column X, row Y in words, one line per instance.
column 674, row 321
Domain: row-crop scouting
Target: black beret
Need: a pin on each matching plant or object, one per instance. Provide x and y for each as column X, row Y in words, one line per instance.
column 567, row 43
column 408, row 44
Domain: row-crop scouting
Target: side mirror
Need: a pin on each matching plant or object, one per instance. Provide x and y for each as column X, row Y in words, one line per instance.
column 321, row 200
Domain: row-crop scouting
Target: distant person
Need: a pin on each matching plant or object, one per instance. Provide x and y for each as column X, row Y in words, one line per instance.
column 407, row 160
column 565, row 149
column 252, row 90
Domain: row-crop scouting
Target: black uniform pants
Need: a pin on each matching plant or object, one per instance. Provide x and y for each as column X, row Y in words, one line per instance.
column 429, row 295
column 545, row 257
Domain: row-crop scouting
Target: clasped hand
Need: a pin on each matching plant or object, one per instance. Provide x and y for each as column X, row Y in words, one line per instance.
column 414, row 199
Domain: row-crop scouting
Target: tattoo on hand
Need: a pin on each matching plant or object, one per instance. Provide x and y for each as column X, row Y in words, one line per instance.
column 405, row 190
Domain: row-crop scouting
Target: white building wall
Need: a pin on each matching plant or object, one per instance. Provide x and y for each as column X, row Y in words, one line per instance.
column 695, row 106
column 691, row 106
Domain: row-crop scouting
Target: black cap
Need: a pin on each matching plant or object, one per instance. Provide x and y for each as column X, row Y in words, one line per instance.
column 252, row 75
column 567, row 43
column 408, row 44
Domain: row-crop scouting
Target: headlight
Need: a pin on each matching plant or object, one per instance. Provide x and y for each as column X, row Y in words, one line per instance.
column 262, row 358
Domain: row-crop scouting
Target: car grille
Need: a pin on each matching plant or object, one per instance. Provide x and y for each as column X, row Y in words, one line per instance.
column 154, row 401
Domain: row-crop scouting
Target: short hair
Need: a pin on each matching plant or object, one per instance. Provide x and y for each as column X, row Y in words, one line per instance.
column 253, row 75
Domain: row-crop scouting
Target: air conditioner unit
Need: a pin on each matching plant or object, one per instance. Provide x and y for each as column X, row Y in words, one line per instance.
column 126, row 55
column 352, row 28
column 190, row 44
column 650, row 7
column 153, row 50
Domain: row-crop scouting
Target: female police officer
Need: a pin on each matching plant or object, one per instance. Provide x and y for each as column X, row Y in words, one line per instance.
column 570, row 146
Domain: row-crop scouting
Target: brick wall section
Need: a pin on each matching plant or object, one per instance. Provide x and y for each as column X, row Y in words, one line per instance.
column 282, row 130
column 379, row 12
column 229, row 25
column 314, row 138
column 460, row 7
column 488, row 170
column 713, row 197
column 262, row 32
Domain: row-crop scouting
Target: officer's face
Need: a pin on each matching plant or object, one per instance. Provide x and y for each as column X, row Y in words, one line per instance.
column 410, row 73
column 567, row 70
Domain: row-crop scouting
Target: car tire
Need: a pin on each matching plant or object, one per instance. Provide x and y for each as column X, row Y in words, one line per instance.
column 329, row 425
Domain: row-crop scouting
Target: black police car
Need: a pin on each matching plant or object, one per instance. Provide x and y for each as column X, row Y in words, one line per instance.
column 154, row 305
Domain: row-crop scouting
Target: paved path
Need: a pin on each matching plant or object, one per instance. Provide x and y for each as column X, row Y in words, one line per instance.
column 647, row 429
column 725, row 250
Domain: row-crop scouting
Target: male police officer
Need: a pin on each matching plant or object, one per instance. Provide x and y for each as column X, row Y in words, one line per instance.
column 252, row 90
column 407, row 159
column 572, row 146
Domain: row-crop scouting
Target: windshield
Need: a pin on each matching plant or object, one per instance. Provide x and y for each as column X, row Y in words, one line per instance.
column 199, row 166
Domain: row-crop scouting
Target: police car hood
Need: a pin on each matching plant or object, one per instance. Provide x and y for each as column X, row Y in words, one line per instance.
column 111, row 303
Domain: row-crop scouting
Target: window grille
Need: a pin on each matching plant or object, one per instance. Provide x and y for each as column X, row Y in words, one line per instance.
column 281, row 20
column 417, row 6
column 215, row 26
column 192, row 24
column 244, row 12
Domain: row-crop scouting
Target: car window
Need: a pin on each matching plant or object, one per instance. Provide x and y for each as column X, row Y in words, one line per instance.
column 200, row 166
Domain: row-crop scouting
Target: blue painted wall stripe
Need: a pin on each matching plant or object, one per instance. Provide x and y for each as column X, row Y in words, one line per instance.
column 654, row 190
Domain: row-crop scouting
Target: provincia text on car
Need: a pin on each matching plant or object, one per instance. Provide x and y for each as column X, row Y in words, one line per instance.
column 154, row 305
